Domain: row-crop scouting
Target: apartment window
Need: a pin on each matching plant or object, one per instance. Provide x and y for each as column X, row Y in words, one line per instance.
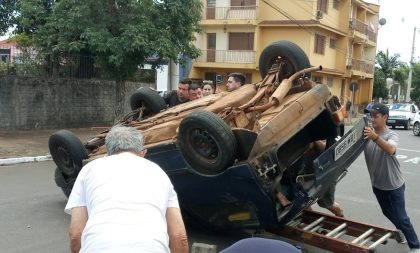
column 336, row 4
column 211, row 9
column 241, row 41
column 333, row 43
column 319, row 44
column 211, row 47
column 242, row 4
column 4, row 58
column 322, row 5
column 330, row 82
column 317, row 79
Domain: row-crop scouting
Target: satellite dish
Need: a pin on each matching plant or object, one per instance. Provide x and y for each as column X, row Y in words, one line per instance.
column 382, row 21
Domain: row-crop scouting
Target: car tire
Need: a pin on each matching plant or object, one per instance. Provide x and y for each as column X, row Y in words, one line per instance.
column 291, row 54
column 416, row 129
column 407, row 125
column 149, row 99
column 206, row 142
column 67, row 152
column 66, row 184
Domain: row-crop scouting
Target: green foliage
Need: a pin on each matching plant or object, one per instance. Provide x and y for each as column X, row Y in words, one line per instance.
column 379, row 85
column 27, row 64
column 120, row 34
column 387, row 64
column 415, row 83
column 7, row 12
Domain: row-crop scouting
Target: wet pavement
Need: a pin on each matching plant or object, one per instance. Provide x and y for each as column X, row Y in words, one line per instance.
column 35, row 142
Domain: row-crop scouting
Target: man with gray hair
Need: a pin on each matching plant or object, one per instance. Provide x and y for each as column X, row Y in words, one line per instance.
column 125, row 203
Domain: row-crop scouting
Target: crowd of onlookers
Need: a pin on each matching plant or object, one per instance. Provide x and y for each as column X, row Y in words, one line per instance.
column 188, row 90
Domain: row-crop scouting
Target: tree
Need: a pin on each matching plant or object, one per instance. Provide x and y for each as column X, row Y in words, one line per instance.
column 387, row 64
column 379, row 85
column 7, row 11
column 122, row 34
column 400, row 76
column 386, row 68
column 415, row 84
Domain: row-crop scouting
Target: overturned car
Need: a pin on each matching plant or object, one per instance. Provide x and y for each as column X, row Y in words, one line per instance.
column 229, row 154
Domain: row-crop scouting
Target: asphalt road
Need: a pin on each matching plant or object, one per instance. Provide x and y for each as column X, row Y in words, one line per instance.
column 32, row 217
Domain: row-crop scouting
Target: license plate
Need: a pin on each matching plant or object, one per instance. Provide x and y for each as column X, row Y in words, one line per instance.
column 345, row 145
column 391, row 121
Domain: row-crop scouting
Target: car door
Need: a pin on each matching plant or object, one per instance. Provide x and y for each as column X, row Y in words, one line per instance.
column 414, row 110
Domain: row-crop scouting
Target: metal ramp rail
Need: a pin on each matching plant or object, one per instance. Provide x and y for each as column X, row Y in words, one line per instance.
column 337, row 234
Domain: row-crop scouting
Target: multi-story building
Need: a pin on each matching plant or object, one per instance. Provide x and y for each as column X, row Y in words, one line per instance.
column 340, row 35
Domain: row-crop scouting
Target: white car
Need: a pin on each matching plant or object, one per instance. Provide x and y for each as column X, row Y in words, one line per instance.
column 416, row 126
column 402, row 114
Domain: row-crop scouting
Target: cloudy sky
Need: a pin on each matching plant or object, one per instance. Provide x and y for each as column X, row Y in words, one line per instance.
column 397, row 34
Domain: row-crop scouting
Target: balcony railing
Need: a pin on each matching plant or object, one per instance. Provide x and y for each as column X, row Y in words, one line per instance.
column 362, row 65
column 227, row 56
column 363, row 28
column 232, row 12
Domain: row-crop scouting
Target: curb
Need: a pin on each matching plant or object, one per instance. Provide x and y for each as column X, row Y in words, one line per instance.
column 26, row 159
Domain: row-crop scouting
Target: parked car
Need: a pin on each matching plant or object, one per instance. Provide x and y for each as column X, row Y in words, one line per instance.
column 402, row 114
column 416, row 125
column 228, row 154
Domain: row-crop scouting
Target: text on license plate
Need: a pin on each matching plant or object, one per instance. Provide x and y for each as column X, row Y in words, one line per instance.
column 345, row 145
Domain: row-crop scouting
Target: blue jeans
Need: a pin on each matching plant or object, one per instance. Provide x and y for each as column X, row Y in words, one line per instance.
column 392, row 203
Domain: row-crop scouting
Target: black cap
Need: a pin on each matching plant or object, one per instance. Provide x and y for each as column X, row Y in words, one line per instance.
column 378, row 108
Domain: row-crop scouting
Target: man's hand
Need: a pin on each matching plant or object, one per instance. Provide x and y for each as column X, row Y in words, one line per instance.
column 369, row 133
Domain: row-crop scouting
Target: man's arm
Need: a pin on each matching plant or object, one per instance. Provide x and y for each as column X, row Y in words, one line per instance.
column 79, row 217
column 387, row 146
column 178, row 241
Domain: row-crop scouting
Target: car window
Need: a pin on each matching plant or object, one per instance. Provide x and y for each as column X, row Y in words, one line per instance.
column 400, row 107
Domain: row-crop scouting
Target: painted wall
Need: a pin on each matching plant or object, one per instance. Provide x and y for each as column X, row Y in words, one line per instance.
column 34, row 103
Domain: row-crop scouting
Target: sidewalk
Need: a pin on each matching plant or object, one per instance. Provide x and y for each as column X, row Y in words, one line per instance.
column 34, row 143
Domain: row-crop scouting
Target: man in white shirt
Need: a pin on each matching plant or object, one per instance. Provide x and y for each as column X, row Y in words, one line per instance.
column 125, row 203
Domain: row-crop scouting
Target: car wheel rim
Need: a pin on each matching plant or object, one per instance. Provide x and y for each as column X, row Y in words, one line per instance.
column 416, row 129
column 65, row 161
column 204, row 144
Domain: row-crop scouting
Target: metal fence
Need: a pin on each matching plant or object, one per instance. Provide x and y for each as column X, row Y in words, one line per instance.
column 63, row 66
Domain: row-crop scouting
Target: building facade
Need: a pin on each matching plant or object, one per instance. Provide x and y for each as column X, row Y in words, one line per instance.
column 340, row 35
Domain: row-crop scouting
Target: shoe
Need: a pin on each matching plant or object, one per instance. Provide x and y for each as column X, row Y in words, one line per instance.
column 336, row 210
column 400, row 237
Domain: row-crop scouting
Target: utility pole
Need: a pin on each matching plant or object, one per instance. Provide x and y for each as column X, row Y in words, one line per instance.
column 410, row 72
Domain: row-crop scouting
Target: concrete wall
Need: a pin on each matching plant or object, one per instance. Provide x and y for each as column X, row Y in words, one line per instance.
column 34, row 103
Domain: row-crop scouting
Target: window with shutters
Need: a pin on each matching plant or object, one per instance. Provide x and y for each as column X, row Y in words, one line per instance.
column 319, row 44
column 333, row 43
column 242, row 4
column 336, row 4
column 241, row 41
column 322, row 5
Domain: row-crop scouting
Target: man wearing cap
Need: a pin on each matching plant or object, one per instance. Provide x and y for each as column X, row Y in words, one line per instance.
column 385, row 174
